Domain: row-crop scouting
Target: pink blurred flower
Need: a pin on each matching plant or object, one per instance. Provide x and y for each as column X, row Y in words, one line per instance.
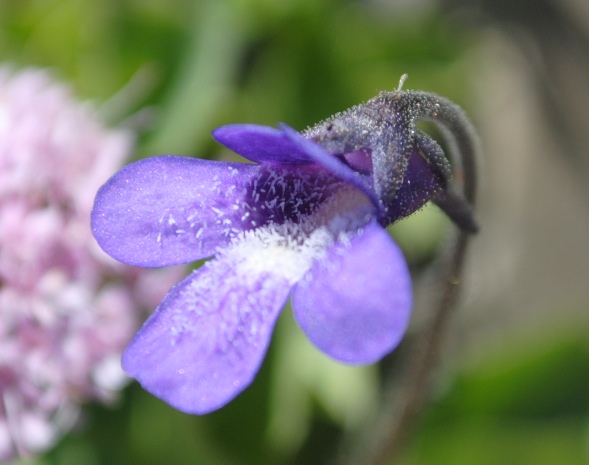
column 66, row 309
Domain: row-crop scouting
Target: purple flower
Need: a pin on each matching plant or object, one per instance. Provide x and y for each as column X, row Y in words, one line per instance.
column 300, row 221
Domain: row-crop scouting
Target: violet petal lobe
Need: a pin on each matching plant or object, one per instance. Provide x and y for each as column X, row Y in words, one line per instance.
column 261, row 144
column 355, row 304
column 167, row 210
column 205, row 342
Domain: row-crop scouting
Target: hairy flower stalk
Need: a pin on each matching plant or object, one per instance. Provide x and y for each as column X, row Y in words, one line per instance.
column 66, row 308
column 306, row 219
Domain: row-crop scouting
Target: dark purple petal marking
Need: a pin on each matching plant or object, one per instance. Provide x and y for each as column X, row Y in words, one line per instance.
column 261, row 144
column 281, row 193
column 206, row 341
column 355, row 304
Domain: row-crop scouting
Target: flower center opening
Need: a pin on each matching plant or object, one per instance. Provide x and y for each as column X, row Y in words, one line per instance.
column 288, row 249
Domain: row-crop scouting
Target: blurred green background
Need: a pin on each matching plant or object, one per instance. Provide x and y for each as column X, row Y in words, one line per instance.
column 514, row 384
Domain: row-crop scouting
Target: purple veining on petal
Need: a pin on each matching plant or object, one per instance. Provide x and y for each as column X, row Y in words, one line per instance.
column 261, row 144
column 284, row 193
column 355, row 304
column 206, row 341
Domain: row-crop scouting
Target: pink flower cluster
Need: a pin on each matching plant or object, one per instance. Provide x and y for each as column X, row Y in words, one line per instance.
column 67, row 310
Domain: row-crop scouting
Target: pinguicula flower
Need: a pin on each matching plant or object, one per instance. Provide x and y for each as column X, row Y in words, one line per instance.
column 67, row 310
column 301, row 221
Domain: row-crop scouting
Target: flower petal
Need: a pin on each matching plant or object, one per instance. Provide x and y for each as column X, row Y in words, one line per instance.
column 205, row 342
column 355, row 304
column 261, row 144
column 167, row 210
